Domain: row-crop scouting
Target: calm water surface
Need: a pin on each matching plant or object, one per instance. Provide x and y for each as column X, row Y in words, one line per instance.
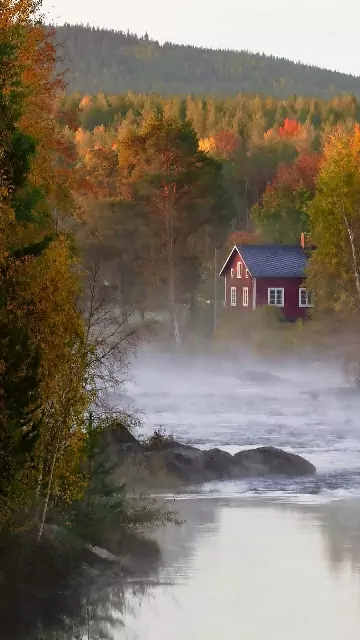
column 255, row 571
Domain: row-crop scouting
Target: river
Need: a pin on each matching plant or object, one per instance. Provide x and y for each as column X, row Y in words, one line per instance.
column 306, row 407
column 258, row 559
column 262, row 559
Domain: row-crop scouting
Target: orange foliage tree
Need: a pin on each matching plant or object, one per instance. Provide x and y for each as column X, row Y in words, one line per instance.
column 281, row 215
column 43, row 357
column 289, row 129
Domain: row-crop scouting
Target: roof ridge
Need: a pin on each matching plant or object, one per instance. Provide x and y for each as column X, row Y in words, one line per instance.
column 271, row 245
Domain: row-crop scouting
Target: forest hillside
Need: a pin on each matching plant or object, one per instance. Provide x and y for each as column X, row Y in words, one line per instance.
column 117, row 62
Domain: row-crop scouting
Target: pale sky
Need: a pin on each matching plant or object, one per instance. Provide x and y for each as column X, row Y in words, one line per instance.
column 320, row 32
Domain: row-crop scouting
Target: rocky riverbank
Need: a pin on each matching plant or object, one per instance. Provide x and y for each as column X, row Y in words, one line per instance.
column 187, row 465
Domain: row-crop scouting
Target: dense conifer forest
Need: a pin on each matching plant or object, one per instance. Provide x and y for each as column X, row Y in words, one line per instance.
column 117, row 62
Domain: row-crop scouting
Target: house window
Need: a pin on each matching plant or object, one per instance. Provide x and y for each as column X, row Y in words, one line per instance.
column 231, row 273
column 276, row 297
column 239, row 269
column 233, row 296
column 245, row 296
column 246, row 273
column 305, row 298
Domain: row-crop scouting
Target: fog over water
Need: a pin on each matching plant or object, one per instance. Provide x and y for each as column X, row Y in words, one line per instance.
column 232, row 402
column 265, row 558
column 261, row 559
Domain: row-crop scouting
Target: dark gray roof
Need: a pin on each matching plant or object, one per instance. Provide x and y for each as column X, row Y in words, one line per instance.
column 274, row 260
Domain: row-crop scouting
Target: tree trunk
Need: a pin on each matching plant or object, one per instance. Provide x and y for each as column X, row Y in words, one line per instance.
column 354, row 257
column 48, row 493
column 38, row 488
column 171, row 276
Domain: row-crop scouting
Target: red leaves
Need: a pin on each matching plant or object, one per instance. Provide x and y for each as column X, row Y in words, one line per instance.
column 289, row 129
column 227, row 143
column 302, row 172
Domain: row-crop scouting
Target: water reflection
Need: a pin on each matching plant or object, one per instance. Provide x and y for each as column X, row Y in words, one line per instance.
column 249, row 570
column 257, row 571
column 340, row 526
column 64, row 593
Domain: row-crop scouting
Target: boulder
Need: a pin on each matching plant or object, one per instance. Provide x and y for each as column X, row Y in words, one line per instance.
column 186, row 464
column 119, row 443
column 218, row 463
column 267, row 461
column 192, row 466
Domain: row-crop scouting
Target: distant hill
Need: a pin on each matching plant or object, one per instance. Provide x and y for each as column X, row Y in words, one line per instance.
column 117, row 62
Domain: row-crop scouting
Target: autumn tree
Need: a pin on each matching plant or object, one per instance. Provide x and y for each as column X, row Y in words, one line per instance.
column 43, row 364
column 334, row 269
column 181, row 191
column 281, row 215
column 161, row 206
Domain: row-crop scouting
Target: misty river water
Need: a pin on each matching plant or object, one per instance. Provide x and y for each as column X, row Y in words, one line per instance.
column 261, row 559
column 306, row 407
column 264, row 558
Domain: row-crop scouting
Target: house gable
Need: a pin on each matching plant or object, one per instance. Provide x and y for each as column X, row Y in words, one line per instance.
column 230, row 261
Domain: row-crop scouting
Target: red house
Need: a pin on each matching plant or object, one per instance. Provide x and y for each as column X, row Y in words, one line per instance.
column 258, row 275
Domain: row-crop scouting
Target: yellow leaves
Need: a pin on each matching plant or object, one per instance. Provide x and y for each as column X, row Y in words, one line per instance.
column 39, row 292
column 19, row 12
column 342, row 142
column 339, row 175
column 85, row 102
column 43, row 294
column 335, row 220
column 34, row 59
column 207, row 145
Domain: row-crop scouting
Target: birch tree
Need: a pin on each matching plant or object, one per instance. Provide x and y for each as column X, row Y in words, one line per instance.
column 42, row 344
column 180, row 190
column 334, row 215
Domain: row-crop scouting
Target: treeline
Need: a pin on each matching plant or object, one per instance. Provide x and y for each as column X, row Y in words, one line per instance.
column 249, row 116
column 174, row 179
column 117, row 62
column 252, row 138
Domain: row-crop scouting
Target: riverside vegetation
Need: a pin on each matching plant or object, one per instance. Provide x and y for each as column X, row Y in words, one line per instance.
column 60, row 343
column 58, row 346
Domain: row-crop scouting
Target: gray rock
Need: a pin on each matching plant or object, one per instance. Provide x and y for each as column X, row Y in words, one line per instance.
column 267, row 461
column 218, row 462
column 190, row 465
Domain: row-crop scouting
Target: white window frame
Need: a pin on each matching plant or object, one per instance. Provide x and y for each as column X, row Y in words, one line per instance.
column 246, row 273
column 276, row 289
column 233, row 296
column 245, row 296
column 239, row 269
column 307, row 305
column 231, row 273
